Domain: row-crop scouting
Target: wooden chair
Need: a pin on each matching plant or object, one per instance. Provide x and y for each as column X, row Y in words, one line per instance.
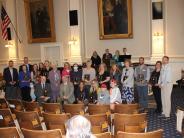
column 56, row 121
column 29, row 120
column 130, row 122
column 98, row 109
column 74, row 109
column 99, row 123
column 6, row 118
column 32, row 106
column 9, row 132
column 153, row 134
column 54, row 108
column 3, row 103
column 42, row 134
column 15, row 104
column 103, row 135
column 126, row 108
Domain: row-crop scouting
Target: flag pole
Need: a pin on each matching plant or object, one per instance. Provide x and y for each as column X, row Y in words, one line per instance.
column 15, row 32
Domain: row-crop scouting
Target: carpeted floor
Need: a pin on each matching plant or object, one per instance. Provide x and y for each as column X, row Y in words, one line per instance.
column 169, row 126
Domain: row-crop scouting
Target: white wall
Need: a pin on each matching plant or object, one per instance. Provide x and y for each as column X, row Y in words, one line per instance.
column 138, row 46
column 175, row 28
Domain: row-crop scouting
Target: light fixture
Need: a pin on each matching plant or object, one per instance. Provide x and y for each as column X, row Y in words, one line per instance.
column 73, row 41
column 9, row 45
column 157, row 34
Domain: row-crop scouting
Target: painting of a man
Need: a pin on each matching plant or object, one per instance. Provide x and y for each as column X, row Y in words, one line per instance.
column 115, row 17
column 40, row 20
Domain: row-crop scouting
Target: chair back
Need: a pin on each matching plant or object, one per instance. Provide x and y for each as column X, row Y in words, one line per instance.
column 32, row 106
column 130, row 122
column 15, row 104
column 29, row 120
column 99, row 123
column 98, row 109
column 74, row 109
column 9, row 132
column 126, row 108
column 56, row 121
column 153, row 134
column 53, row 108
column 3, row 103
column 103, row 135
column 6, row 118
column 42, row 134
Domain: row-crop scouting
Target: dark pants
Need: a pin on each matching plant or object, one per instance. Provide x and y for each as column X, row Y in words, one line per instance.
column 25, row 92
column 157, row 95
column 11, row 92
column 143, row 96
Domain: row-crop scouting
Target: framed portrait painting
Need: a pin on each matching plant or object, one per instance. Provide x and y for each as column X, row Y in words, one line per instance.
column 40, row 21
column 115, row 19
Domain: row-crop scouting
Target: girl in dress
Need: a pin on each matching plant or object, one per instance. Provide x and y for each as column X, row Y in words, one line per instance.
column 127, row 80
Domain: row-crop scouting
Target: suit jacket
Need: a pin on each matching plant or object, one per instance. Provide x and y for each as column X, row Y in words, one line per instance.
column 30, row 67
column 39, row 91
column 55, row 80
column 68, row 91
column 8, row 78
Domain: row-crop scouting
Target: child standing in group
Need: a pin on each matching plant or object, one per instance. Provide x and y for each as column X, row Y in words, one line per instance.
column 115, row 94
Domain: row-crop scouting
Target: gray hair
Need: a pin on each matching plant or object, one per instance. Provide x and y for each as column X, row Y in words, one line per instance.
column 78, row 127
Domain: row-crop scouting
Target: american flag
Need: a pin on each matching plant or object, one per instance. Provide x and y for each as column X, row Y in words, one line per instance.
column 5, row 21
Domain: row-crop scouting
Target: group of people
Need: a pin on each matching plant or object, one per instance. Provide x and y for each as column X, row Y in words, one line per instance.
column 95, row 82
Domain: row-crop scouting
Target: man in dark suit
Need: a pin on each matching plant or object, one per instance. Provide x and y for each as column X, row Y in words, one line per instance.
column 43, row 91
column 10, row 75
column 107, row 58
column 26, row 62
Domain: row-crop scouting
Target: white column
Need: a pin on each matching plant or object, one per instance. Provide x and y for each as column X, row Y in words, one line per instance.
column 75, row 34
column 157, row 36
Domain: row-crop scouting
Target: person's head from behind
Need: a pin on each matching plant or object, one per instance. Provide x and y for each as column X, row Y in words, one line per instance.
column 141, row 60
column 78, row 127
column 43, row 79
column 165, row 60
column 26, row 60
column 10, row 63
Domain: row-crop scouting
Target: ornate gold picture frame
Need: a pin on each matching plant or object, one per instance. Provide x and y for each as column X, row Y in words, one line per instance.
column 40, row 21
column 115, row 19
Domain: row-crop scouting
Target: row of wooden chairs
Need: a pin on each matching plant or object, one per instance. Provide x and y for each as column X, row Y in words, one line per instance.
column 73, row 109
column 56, row 133
column 100, row 122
